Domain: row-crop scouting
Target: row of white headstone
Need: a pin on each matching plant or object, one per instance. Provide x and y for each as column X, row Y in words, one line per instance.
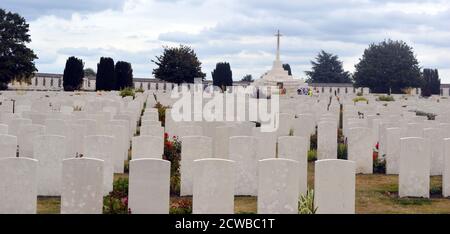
column 149, row 183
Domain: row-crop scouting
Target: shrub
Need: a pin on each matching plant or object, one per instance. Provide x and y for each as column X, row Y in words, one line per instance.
column 379, row 166
column 360, row 99
column 430, row 116
column 181, row 206
column 313, row 141
column 127, row 92
column 385, row 98
column 342, row 151
column 139, row 90
column 291, row 132
column 172, row 153
column 117, row 200
column 312, row 155
column 161, row 112
column 306, row 203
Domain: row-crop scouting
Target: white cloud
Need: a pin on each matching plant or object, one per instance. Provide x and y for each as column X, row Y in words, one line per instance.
column 240, row 32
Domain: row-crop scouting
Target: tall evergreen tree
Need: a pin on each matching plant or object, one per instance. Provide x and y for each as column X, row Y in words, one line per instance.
column 89, row 72
column 389, row 66
column 124, row 75
column 247, row 78
column 178, row 65
column 327, row 69
column 222, row 75
column 73, row 74
column 287, row 67
column 431, row 83
column 106, row 77
column 16, row 59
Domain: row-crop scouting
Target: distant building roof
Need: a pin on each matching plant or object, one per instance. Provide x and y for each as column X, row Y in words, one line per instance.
column 345, row 85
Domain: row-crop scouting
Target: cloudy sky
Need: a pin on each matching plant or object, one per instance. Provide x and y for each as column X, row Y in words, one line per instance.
column 237, row 31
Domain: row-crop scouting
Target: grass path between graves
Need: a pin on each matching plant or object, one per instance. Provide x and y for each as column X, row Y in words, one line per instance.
column 375, row 194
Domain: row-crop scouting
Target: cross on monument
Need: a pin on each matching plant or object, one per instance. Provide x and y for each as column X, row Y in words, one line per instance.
column 278, row 35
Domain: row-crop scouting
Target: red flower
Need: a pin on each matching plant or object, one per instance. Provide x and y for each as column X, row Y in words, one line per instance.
column 125, row 201
column 166, row 135
column 377, row 145
column 375, row 156
column 169, row 144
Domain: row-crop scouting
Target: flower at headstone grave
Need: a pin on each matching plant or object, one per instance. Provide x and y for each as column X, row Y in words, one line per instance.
column 172, row 153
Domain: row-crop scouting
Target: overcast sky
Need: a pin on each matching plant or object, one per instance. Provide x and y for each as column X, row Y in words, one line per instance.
column 237, row 31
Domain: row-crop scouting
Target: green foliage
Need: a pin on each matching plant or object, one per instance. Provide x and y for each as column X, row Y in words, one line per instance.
column 287, row 67
column 178, row 65
column 327, row 69
column 222, row 75
column 127, row 92
column 16, row 59
column 385, row 98
column 247, row 78
column 124, row 75
column 430, row 116
column 117, row 200
column 106, row 77
column 360, row 99
column 313, row 141
column 181, row 206
column 312, row 155
column 389, row 66
column 172, row 153
column 89, row 72
column 161, row 112
column 342, row 151
column 306, row 203
column 379, row 166
column 431, row 83
column 413, row 201
column 139, row 90
column 73, row 74
column 291, row 132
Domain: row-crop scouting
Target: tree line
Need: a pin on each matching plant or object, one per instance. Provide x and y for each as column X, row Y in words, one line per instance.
column 387, row 67
column 109, row 76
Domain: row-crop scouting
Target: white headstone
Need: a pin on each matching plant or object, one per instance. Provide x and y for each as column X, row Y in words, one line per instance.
column 242, row 151
column 149, row 186
column 192, row 148
column 14, row 126
column 152, row 130
column 393, row 136
column 327, row 140
column 119, row 133
column 221, row 141
column 18, row 190
column 49, row 150
column 414, row 178
column 147, row 147
column 266, row 143
column 26, row 135
column 436, row 141
column 99, row 147
column 8, row 146
column 278, row 186
column 213, row 186
column 296, row 148
column 360, row 149
column 3, row 129
column 446, row 169
column 334, row 186
column 82, row 186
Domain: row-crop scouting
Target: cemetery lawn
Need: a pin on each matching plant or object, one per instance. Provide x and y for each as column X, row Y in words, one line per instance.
column 375, row 194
